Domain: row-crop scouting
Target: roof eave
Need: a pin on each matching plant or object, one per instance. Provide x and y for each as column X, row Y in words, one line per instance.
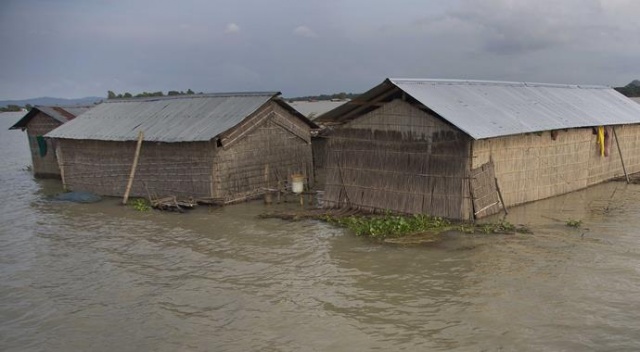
column 24, row 120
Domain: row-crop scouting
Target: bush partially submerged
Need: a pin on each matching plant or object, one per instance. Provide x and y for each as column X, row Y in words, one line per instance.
column 390, row 225
column 140, row 204
column 574, row 223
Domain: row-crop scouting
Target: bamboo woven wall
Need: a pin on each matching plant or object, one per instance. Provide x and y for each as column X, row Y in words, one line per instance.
column 43, row 166
column 290, row 122
column 484, row 192
column 271, row 111
column 319, row 146
column 532, row 167
column 239, row 170
column 603, row 169
column 103, row 167
column 399, row 158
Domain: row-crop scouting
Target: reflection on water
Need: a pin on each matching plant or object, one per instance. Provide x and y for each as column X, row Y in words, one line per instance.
column 103, row 277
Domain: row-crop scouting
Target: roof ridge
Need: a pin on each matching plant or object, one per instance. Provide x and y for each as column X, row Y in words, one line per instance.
column 194, row 96
column 496, row 83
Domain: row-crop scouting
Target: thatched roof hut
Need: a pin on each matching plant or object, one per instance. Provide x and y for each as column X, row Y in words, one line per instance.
column 39, row 121
column 227, row 146
column 445, row 147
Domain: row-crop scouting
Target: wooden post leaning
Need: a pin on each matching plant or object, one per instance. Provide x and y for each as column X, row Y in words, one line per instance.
column 133, row 168
column 620, row 152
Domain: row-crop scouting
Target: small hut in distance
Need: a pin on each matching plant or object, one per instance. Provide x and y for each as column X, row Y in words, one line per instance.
column 450, row 148
column 39, row 121
column 226, row 146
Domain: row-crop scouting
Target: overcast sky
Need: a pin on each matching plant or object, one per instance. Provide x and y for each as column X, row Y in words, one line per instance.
column 77, row 48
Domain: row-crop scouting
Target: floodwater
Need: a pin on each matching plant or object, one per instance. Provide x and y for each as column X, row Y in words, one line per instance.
column 103, row 277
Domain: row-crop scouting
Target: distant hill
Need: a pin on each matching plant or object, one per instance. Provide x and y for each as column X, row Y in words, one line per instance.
column 52, row 101
column 631, row 90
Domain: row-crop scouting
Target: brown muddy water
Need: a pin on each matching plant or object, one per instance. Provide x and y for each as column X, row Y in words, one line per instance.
column 102, row 277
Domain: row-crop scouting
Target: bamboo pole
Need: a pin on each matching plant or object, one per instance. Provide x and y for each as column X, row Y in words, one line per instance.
column 61, row 167
column 504, row 207
column 133, row 168
column 267, row 193
column 620, row 152
column 211, row 192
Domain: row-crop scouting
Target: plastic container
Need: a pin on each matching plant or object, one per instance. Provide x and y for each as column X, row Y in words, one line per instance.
column 297, row 183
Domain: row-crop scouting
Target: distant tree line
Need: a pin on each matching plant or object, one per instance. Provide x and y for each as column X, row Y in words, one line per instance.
column 631, row 90
column 339, row 96
column 12, row 107
column 127, row 95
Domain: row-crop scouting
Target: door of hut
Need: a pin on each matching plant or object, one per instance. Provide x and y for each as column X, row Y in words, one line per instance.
column 484, row 191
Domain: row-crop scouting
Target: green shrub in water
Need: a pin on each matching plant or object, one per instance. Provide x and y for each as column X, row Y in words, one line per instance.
column 574, row 223
column 140, row 204
column 389, row 225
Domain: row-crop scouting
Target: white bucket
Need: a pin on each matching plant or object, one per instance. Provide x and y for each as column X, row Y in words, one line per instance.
column 297, row 183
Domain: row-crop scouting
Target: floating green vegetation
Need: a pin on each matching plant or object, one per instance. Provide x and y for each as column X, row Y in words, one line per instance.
column 391, row 225
column 574, row 223
column 140, row 204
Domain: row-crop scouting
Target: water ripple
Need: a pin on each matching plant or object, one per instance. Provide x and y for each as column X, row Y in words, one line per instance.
column 102, row 277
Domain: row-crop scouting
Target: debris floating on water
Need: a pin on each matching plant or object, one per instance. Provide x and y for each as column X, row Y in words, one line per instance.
column 78, row 197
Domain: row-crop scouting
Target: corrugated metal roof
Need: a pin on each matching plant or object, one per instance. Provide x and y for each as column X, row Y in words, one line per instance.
column 486, row 109
column 313, row 109
column 77, row 110
column 185, row 118
column 61, row 114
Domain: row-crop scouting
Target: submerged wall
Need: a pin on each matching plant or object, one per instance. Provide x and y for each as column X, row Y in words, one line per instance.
column 274, row 142
column 535, row 166
column 45, row 166
column 103, row 167
column 399, row 158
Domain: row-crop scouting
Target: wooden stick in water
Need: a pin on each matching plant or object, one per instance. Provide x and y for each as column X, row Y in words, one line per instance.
column 133, row 168
column 620, row 152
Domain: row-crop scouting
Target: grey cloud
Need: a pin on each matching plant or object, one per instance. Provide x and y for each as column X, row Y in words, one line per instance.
column 519, row 27
column 232, row 28
column 94, row 47
column 304, row 31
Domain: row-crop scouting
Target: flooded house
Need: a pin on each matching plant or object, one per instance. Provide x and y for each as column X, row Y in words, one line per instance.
column 466, row 149
column 226, row 146
column 39, row 121
column 313, row 109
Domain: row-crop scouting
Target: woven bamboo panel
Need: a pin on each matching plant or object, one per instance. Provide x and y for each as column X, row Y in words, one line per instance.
column 240, row 170
column 103, row 167
column 318, row 146
column 536, row 166
column 484, row 191
column 398, row 158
